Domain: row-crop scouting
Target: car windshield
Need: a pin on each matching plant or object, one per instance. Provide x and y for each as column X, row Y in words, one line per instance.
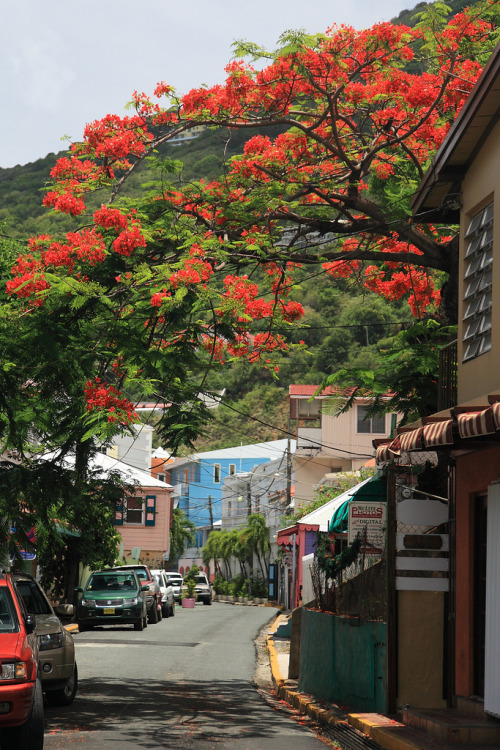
column 35, row 602
column 201, row 579
column 112, row 582
column 8, row 616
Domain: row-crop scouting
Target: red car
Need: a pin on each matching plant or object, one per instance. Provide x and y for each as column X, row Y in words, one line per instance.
column 21, row 697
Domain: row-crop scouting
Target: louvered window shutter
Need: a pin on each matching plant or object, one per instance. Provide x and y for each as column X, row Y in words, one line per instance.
column 150, row 510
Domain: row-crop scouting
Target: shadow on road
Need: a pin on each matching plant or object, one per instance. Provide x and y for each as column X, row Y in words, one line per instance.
column 172, row 711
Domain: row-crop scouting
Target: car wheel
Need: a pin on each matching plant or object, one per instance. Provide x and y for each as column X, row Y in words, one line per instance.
column 160, row 613
column 172, row 609
column 139, row 624
column 145, row 620
column 207, row 601
column 165, row 610
column 66, row 695
column 153, row 614
column 30, row 734
column 83, row 627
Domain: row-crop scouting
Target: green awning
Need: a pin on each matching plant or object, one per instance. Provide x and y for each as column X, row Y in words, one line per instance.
column 373, row 491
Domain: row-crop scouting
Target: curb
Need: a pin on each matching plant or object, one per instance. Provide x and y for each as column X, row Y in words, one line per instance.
column 72, row 627
column 285, row 688
column 363, row 730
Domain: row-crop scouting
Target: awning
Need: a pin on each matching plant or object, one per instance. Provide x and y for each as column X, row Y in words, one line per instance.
column 469, row 424
column 438, row 433
column 284, row 536
column 375, row 490
column 383, row 454
column 476, row 423
column 412, row 440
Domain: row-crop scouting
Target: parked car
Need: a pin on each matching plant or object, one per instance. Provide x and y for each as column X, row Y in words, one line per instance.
column 153, row 593
column 21, row 695
column 176, row 580
column 58, row 669
column 167, row 593
column 203, row 589
column 112, row 597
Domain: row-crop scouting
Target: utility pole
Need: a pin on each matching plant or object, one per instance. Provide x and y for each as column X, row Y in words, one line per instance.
column 288, row 467
column 210, row 513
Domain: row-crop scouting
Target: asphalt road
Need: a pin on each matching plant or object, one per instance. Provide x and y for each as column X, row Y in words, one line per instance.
column 187, row 682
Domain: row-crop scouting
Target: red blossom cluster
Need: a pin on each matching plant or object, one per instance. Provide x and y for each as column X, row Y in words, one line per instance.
column 104, row 398
column 253, row 348
column 195, row 271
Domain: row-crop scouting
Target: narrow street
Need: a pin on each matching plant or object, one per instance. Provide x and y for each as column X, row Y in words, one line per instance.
column 186, row 682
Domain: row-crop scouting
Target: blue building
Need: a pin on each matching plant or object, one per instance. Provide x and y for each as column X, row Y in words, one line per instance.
column 198, row 479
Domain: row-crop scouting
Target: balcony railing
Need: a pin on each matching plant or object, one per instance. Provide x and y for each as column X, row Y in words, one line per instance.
column 447, row 383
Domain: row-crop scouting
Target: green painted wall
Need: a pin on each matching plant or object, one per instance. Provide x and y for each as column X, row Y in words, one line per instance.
column 343, row 659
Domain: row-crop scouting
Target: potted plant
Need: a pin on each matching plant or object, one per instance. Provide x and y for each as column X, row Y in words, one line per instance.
column 188, row 596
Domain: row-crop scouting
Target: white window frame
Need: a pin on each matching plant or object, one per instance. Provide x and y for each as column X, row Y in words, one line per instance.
column 369, row 423
column 126, row 511
column 232, row 469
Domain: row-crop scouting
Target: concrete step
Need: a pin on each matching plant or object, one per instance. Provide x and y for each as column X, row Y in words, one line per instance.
column 391, row 734
column 452, row 727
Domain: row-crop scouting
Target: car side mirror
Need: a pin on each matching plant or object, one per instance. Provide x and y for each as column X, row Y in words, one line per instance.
column 30, row 623
column 79, row 589
column 144, row 586
column 64, row 610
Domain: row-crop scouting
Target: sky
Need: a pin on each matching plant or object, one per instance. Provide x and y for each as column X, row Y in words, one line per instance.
column 66, row 63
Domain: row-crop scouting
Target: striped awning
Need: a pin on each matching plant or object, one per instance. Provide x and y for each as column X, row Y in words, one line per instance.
column 412, row 440
column 474, row 424
column 438, row 433
column 469, row 423
column 496, row 414
column 383, row 454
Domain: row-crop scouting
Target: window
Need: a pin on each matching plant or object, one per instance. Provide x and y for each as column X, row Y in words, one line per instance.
column 229, row 508
column 216, row 473
column 134, row 510
column 232, row 469
column 478, row 275
column 160, row 477
column 369, row 425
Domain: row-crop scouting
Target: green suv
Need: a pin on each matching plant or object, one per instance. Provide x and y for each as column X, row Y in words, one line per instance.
column 112, row 597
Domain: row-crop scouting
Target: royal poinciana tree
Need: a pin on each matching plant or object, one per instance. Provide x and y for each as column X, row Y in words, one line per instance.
column 148, row 292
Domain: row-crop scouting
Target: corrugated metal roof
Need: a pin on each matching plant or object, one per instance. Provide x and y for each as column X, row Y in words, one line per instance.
column 106, row 464
column 323, row 515
column 272, row 449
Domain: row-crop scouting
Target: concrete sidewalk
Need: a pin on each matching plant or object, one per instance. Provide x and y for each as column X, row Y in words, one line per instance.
column 368, row 730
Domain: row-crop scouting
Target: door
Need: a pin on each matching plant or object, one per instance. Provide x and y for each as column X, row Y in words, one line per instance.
column 480, row 547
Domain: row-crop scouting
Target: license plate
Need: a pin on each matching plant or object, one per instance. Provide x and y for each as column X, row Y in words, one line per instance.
column 108, row 611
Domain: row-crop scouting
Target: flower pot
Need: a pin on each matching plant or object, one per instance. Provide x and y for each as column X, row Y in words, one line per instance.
column 188, row 603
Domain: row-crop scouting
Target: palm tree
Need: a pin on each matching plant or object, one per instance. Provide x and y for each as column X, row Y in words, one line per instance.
column 242, row 551
column 181, row 533
column 226, row 542
column 257, row 540
column 212, row 551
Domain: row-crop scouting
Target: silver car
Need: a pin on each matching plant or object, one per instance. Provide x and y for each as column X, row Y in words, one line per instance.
column 56, row 655
column 176, row 580
column 167, row 593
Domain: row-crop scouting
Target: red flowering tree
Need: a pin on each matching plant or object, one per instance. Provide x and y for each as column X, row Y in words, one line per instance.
column 159, row 287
